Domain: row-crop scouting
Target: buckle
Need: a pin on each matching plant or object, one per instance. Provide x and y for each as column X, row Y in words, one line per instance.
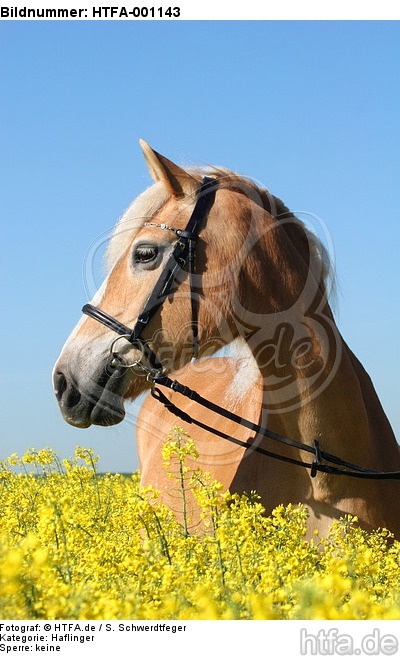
column 317, row 460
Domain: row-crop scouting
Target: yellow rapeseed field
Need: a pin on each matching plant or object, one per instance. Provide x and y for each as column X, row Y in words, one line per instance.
column 78, row 545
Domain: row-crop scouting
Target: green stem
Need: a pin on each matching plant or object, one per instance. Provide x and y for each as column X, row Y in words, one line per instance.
column 184, row 501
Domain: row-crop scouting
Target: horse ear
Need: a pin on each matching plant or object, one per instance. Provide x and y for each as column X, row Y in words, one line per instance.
column 176, row 179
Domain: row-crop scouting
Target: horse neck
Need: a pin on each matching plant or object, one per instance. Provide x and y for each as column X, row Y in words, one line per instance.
column 323, row 392
column 382, row 441
column 314, row 387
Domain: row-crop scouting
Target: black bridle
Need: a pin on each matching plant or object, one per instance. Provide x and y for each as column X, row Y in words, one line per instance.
column 183, row 254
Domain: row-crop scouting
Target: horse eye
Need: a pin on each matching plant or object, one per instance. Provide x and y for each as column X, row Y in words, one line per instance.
column 145, row 254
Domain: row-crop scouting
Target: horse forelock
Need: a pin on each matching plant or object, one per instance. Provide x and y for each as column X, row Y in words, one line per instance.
column 142, row 209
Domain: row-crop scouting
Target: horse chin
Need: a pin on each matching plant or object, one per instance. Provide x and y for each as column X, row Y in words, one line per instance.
column 107, row 416
column 109, row 409
column 101, row 414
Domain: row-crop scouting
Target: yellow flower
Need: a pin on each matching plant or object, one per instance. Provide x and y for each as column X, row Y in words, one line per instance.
column 81, row 546
column 13, row 459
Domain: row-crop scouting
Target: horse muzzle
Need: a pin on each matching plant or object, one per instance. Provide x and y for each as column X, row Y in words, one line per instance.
column 98, row 400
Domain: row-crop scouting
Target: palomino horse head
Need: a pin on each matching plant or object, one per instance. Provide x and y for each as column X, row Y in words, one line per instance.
column 253, row 260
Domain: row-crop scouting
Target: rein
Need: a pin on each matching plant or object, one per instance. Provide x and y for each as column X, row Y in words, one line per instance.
column 316, row 465
column 184, row 253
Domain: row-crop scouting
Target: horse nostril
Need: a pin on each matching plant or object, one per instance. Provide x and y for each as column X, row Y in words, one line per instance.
column 60, row 384
column 67, row 394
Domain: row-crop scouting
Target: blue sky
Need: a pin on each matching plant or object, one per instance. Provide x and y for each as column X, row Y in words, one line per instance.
column 311, row 109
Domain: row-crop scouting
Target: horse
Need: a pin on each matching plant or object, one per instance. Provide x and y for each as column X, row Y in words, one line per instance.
column 258, row 279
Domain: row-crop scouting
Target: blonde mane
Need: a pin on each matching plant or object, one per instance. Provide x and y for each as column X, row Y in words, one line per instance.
column 152, row 199
column 301, row 237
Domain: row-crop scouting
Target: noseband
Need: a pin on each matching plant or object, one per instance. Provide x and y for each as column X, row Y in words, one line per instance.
column 183, row 253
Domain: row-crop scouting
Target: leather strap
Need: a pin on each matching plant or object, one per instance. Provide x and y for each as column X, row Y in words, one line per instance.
column 183, row 250
column 316, row 465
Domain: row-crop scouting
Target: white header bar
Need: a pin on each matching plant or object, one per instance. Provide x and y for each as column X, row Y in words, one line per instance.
column 205, row 10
